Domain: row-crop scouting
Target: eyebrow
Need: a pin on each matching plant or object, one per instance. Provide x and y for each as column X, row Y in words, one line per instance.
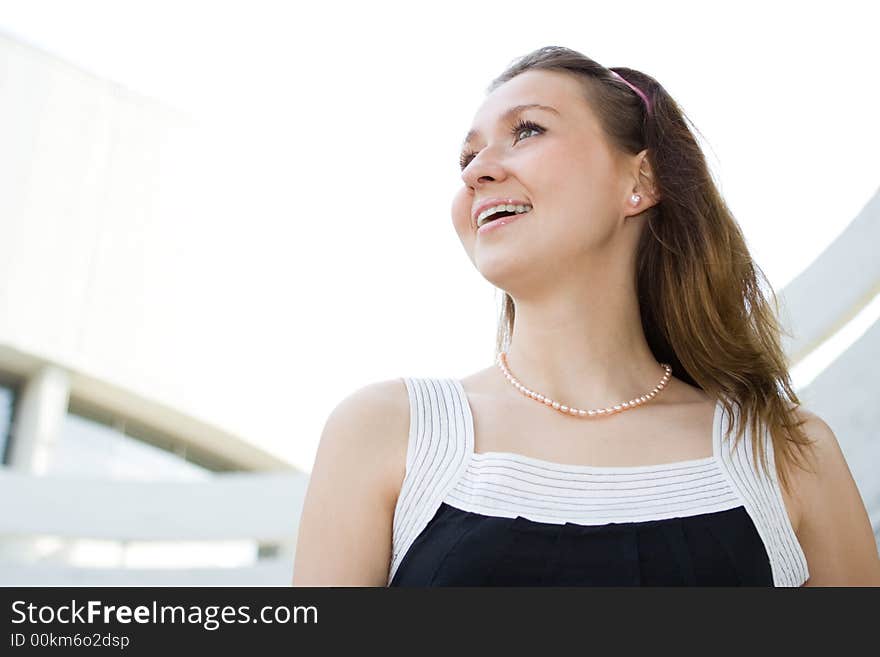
column 512, row 111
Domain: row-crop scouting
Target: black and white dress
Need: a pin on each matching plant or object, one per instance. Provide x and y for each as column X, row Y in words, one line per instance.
column 505, row 519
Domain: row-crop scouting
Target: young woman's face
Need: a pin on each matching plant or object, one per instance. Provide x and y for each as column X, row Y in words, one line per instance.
column 558, row 162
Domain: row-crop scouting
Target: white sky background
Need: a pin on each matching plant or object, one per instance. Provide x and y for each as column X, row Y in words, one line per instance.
column 330, row 254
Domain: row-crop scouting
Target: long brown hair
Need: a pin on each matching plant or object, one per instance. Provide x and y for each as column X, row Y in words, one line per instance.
column 702, row 307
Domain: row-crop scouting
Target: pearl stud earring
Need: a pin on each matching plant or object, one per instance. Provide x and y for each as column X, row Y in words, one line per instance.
column 635, row 198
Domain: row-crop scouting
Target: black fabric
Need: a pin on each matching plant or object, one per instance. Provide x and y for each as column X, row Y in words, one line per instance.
column 460, row 548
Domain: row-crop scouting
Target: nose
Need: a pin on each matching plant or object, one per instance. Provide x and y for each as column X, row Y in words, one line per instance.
column 484, row 167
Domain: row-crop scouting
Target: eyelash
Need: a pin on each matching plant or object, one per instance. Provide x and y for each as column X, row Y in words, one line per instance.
column 519, row 127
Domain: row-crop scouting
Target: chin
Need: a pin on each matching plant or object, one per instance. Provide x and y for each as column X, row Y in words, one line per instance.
column 504, row 272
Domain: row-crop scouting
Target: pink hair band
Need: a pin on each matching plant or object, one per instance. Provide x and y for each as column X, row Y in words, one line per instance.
column 634, row 88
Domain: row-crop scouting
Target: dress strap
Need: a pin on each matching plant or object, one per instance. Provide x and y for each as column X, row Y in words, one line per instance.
column 440, row 440
column 762, row 499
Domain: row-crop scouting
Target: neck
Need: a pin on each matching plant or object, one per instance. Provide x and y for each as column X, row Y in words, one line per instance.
column 588, row 351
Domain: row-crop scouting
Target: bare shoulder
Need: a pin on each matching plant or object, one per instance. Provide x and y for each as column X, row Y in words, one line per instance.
column 825, row 459
column 372, row 423
column 345, row 530
column 835, row 530
column 372, row 400
column 825, row 455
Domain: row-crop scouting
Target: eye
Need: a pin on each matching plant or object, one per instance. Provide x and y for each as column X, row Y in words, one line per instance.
column 520, row 126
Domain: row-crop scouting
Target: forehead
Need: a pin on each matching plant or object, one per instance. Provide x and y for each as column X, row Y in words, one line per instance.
column 558, row 90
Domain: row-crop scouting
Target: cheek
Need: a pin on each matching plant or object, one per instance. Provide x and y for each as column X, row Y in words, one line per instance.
column 579, row 184
column 461, row 212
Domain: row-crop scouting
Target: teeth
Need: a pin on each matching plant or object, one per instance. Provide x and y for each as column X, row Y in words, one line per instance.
column 485, row 214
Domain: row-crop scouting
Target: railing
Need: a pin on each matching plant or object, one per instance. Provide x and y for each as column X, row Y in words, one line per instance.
column 263, row 508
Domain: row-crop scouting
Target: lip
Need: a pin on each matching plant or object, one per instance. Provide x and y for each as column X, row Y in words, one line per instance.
column 490, row 202
column 498, row 223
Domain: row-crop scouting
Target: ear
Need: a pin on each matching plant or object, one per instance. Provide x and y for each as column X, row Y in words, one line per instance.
column 644, row 183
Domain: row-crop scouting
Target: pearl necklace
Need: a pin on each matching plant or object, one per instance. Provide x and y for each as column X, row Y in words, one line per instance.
column 599, row 412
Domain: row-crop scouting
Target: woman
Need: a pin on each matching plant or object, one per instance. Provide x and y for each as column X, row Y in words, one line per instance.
column 639, row 426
